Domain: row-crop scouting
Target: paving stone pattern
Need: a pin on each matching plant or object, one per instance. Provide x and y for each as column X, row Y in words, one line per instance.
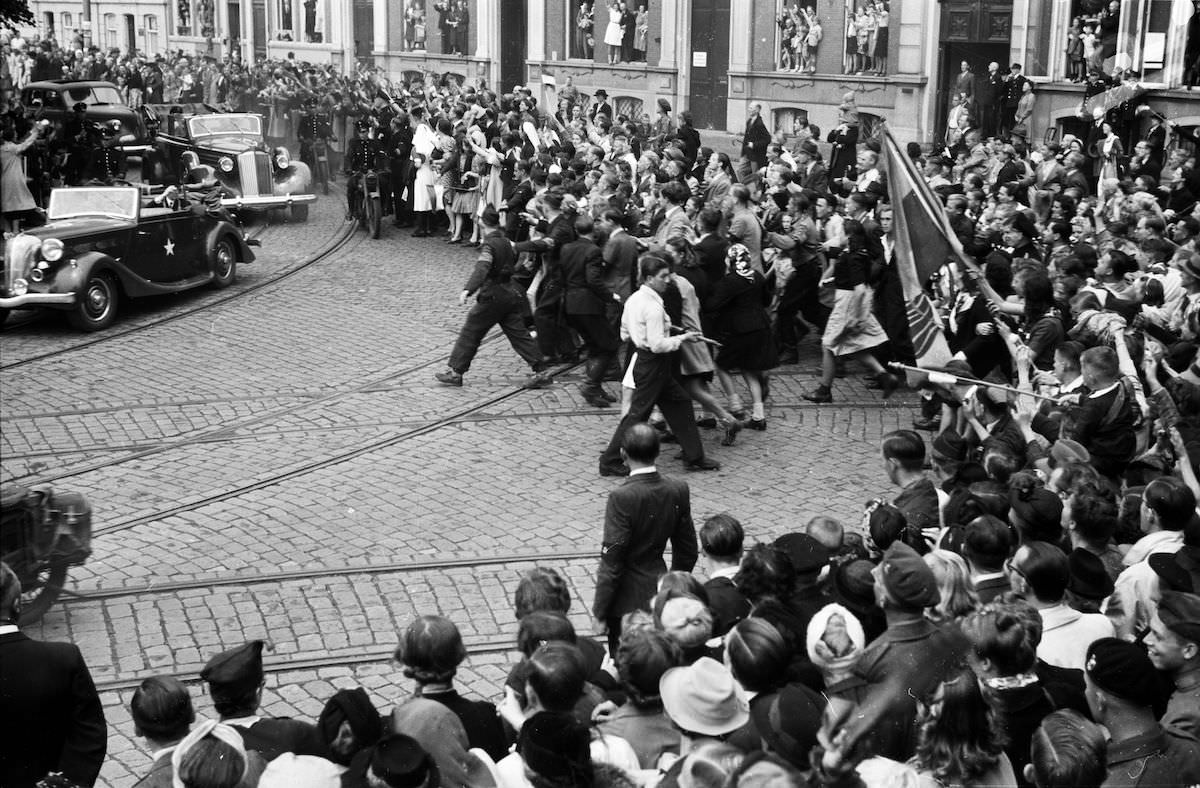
column 284, row 391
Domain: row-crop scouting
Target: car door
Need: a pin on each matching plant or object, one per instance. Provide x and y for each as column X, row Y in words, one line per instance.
column 162, row 247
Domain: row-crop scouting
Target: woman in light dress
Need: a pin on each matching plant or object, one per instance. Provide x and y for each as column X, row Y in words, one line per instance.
column 614, row 34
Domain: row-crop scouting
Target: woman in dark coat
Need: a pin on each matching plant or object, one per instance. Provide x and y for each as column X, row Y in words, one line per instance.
column 738, row 305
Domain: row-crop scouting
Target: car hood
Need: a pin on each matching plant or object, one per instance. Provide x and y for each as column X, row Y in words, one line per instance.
column 229, row 144
column 77, row 227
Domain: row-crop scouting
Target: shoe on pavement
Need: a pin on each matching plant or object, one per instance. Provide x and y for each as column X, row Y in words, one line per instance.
column 933, row 424
column 538, row 380
column 668, row 437
column 595, row 399
column 819, row 395
column 706, row 423
column 449, row 378
column 759, row 425
column 871, row 381
column 617, row 469
column 731, row 428
column 703, row 464
column 611, row 398
column 888, row 383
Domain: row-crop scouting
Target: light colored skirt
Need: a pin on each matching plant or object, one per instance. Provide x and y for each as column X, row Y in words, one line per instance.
column 870, row 336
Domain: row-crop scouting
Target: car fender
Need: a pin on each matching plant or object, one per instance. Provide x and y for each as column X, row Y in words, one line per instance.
column 244, row 253
column 72, row 277
column 296, row 179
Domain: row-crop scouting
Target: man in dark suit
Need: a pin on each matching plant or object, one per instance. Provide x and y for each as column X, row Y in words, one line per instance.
column 514, row 228
column 642, row 515
column 755, row 141
column 721, row 540
column 1074, row 177
column 235, row 682
column 587, row 298
column 557, row 230
column 712, row 246
column 688, row 136
column 989, row 98
column 600, row 106
column 813, row 175
column 620, row 263
column 55, row 720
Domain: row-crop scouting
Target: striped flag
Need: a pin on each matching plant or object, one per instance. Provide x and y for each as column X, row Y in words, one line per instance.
column 924, row 242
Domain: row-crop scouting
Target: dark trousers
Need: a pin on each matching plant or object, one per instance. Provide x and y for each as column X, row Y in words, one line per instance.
column 505, row 310
column 989, row 119
column 892, row 313
column 801, row 295
column 553, row 337
column 402, row 176
column 614, row 634
column 655, row 385
column 599, row 341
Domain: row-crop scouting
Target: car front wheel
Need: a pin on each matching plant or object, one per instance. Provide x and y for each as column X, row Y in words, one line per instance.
column 96, row 306
column 224, row 263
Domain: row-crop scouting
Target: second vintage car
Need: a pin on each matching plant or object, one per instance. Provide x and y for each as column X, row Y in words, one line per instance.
column 233, row 145
column 103, row 244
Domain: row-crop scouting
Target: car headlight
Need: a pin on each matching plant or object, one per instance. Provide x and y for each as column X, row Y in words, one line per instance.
column 20, row 287
column 52, row 250
column 282, row 159
column 226, row 164
column 39, row 271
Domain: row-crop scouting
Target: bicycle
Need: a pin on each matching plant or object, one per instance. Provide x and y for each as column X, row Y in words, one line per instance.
column 321, row 163
column 368, row 202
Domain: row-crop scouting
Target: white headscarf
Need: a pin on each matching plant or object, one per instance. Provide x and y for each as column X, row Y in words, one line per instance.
column 818, row 650
column 218, row 730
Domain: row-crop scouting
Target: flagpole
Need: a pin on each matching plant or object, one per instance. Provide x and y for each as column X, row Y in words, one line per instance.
column 962, row 380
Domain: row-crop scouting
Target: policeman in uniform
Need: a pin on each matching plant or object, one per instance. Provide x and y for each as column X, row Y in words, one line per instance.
column 314, row 125
column 235, row 682
column 108, row 160
column 79, row 136
column 499, row 301
column 361, row 155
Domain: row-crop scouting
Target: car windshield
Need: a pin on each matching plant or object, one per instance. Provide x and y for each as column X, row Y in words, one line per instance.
column 120, row 202
column 93, row 94
column 210, row 125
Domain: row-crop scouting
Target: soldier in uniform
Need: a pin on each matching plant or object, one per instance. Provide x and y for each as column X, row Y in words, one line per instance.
column 108, row 161
column 235, row 681
column 314, row 125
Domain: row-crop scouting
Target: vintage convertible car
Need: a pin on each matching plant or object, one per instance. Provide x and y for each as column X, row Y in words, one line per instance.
column 233, row 145
column 102, row 244
column 104, row 102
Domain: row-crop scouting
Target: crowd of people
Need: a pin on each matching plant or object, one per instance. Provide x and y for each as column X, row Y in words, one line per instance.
column 1023, row 612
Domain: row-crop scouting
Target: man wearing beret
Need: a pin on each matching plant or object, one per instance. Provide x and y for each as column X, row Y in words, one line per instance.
column 235, row 681
column 1174, row 647
column 1121, row 688
column 911, row 657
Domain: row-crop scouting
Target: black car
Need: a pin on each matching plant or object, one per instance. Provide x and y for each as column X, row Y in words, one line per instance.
column 104, row 104
column 103, row 244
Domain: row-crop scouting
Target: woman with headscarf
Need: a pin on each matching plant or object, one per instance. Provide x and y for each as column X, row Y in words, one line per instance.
column 739, row 307
column 852, row 329
column 213, row 756
column 348, row 724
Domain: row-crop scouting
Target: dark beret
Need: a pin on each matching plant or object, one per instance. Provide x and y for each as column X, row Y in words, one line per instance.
column 399, row 761
column 806, row 554
column 809, row 147
column 1041, row 512
column 1180, row 613
column 908, row 578
column 1122, row 669
column 237, row 670
column 950, row 445
column 1089, row 578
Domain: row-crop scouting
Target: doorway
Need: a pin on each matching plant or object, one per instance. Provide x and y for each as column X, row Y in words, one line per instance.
column 978, row 55
column 130, row 34
column 235, row 28
column 364, row 29
column 708, row 97
column 258, row 18
column 512, row 45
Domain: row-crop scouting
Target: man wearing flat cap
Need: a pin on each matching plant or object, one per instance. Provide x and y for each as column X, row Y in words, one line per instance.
column 235, row 681
column 1174, row 647
column 813, row 175
column 1122, row 686
column 912, row 655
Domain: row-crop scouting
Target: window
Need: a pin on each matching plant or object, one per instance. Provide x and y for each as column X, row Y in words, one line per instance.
column 799, row 32
column 49, row 20
column 866, row 41
column 314, row 21
column 65, row 19
column 415, row 25
column 284, row 21
column 790, row 120
column 110, row 31
column 581, row 32
column 205, row 18
column 453, row 19
column 1150, row 39
column 183, row 17
column 151, row 24
column 628, row 106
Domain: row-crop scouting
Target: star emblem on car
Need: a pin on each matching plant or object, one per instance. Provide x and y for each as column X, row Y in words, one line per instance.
column 169, row 246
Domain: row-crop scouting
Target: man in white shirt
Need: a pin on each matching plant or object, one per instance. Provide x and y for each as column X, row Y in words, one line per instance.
column 645, row 324
column 1039, row 573
column 1167, row 505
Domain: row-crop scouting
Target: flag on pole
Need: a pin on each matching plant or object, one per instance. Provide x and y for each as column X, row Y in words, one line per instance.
column 924, row 242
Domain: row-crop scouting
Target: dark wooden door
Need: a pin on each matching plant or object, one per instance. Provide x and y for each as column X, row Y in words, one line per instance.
column 235, row 27
column 708, row 96
column 512, row 45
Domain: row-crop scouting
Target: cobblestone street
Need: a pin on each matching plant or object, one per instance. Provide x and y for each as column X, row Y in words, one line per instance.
column 287, row 451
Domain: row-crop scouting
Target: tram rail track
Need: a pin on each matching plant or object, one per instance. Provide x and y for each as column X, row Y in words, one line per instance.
column 344, row 236
column 379, row 424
